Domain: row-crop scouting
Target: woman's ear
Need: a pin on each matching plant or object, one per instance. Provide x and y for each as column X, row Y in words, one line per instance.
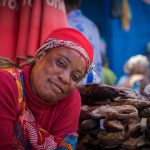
column 39, row 56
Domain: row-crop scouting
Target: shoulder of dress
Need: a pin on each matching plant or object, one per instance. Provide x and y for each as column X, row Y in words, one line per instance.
column 14, row 72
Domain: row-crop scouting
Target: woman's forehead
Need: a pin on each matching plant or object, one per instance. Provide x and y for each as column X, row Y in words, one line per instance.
column 65, row 52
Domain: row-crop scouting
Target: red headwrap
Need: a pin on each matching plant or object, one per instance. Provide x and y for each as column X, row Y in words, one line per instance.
column 72, row 38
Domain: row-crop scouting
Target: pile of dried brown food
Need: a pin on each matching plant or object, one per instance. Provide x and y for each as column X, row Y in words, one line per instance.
column 114, row 118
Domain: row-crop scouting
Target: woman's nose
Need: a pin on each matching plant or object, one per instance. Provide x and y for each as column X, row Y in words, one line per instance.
column 65, row 77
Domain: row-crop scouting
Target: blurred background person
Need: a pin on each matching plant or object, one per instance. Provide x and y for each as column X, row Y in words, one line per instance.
column 136, row 69
column 77, row 20
column 108, row 76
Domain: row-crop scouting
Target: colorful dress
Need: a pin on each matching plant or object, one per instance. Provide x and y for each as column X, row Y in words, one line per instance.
column 28, row 133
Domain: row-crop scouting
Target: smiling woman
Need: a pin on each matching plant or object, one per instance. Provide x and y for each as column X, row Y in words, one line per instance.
column 40, row 104
column 58, row 74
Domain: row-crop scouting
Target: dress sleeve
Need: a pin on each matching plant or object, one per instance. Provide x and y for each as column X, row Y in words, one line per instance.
column 65, row 126
column 8, row 102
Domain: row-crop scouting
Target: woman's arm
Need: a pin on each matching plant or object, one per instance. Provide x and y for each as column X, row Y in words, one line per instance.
column 8, row 95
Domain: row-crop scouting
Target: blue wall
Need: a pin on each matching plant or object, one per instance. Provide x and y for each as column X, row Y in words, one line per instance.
column 120, row 44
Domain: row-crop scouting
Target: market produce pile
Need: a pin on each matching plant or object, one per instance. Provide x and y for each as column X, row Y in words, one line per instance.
column 114, row 118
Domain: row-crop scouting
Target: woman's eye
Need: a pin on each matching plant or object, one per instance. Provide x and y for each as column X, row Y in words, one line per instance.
column 76, row 78
column 61, row 63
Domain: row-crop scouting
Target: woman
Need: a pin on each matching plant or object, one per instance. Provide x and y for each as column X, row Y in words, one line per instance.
column 40, row 105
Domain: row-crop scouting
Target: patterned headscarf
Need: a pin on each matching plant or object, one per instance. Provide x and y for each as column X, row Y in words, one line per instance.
column 70, row 38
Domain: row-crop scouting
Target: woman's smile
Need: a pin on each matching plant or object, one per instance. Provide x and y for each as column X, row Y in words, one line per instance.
column 55, row 87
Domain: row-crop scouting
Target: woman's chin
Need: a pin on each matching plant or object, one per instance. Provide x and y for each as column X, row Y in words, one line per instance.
column 52, row 99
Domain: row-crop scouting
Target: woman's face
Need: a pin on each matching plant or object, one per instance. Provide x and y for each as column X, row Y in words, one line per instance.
column 56, row 73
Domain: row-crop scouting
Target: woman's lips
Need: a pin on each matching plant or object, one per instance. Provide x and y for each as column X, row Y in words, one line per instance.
column 56, row 88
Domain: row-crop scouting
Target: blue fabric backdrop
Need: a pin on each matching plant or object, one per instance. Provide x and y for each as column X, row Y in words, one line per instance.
column 120, row 44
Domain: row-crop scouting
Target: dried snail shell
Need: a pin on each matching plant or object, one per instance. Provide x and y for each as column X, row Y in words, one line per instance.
column 110, row 139
column 115, row 112
column 113, row 125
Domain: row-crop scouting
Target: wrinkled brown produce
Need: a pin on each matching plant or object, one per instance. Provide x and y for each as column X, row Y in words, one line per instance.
column 147, row 134
column 113, row 119
column 88, row 124
column 129, row 144
column 145, row 112
column 138, row 103
column 141, row 141
column 115, row 112
column 133, row 143
column 97, row 92
column 110, row 139
column 87, row 142
column 85, row 112
column 132, row 129
column 148, row 122
column 103, row 91
column 113, row 125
